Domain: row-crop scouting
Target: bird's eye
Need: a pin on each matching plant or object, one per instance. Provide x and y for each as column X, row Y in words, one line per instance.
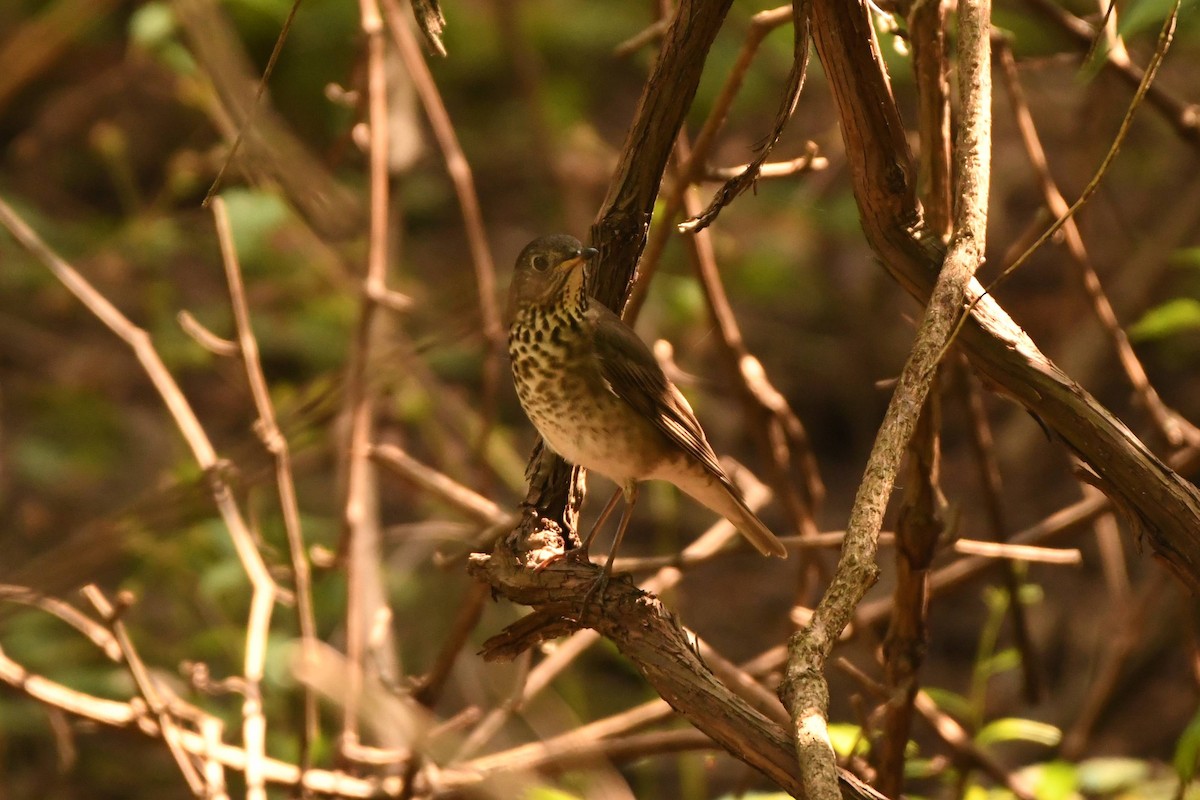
column 540, row 263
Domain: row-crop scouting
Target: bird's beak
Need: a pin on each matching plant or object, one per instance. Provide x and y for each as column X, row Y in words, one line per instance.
column 581, row 257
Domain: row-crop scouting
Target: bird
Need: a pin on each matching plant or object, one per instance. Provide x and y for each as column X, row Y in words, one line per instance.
column 599, row 398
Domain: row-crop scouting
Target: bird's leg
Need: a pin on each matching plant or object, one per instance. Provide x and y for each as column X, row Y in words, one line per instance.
column 631, row 492
column 603, row 518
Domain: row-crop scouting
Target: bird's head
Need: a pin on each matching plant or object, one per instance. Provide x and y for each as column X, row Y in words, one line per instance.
column 548, row 267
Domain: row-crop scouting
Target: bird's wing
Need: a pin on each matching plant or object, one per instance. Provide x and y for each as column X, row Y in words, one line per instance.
column 630, row 371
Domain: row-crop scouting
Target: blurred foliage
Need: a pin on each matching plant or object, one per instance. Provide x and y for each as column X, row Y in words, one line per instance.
column 109, row 138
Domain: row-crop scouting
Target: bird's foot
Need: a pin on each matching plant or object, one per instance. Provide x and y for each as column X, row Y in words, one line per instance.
column 595, row 592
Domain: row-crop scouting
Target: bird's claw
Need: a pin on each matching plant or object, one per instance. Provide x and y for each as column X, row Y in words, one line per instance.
column 595, row 591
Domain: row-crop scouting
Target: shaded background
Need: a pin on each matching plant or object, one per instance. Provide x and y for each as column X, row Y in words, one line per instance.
column 109, row 138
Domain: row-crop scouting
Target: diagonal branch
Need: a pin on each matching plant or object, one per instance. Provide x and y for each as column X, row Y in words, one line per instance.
column 804, row 689
column 1170, row 425
column 624, row 219
column 265, row 591
column 1166, row 505
column 651, row 637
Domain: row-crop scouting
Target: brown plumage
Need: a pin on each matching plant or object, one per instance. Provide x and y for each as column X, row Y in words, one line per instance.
column 594, row 391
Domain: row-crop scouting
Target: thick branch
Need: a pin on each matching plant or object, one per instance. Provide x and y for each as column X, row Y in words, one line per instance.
column 804, row 689
column 620, row 228
column 650, row 636
column 1167, row 506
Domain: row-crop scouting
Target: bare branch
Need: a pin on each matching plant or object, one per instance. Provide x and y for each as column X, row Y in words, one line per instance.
column 1169, row 424
column 276, row 443
column 1165, row 505
column 361, row 536
column 804, row 689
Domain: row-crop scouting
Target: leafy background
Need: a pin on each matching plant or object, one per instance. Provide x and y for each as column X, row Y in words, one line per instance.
column 108, row 144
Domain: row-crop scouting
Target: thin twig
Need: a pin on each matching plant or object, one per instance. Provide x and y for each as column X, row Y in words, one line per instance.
column 148, row 687
column 639, row 716
column 1160, row 53
column 1019, row 552
column 643, row 38
column 1183, row 116
column 361, row 534
column 265, row 592
column 248, row 119
column 983, row 448
column 1167, row 422
column 101, row 636
column 439, row 484
column 826, row 540
column 277, row 444
column 206, row 338
column 468, row 200
column 811, row 161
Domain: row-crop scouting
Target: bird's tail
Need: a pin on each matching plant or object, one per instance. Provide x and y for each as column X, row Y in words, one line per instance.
column 724, row 498
column 755, row 531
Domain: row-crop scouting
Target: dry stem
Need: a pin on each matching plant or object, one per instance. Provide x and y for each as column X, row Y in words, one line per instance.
column 276, row 443
column 264, row 590
column 804, row 689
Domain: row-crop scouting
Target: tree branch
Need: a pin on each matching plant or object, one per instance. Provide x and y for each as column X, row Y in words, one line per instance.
column 1166, row 506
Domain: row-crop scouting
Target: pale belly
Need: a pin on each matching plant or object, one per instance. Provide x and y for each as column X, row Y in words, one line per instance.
column 585, row 423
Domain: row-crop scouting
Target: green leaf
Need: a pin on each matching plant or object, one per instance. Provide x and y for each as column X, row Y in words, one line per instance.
column 847, row 739
column 152, row 26
column 1016, row 729
column 1111, row 775
column 1188, row 257
column 547, row 793
column 953, row 703
column 1187, row 750
column 1172, row 317
column 1001, row 662
column 1053, row 780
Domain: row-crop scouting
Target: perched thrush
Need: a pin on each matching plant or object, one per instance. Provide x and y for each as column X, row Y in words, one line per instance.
column 599, row 398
